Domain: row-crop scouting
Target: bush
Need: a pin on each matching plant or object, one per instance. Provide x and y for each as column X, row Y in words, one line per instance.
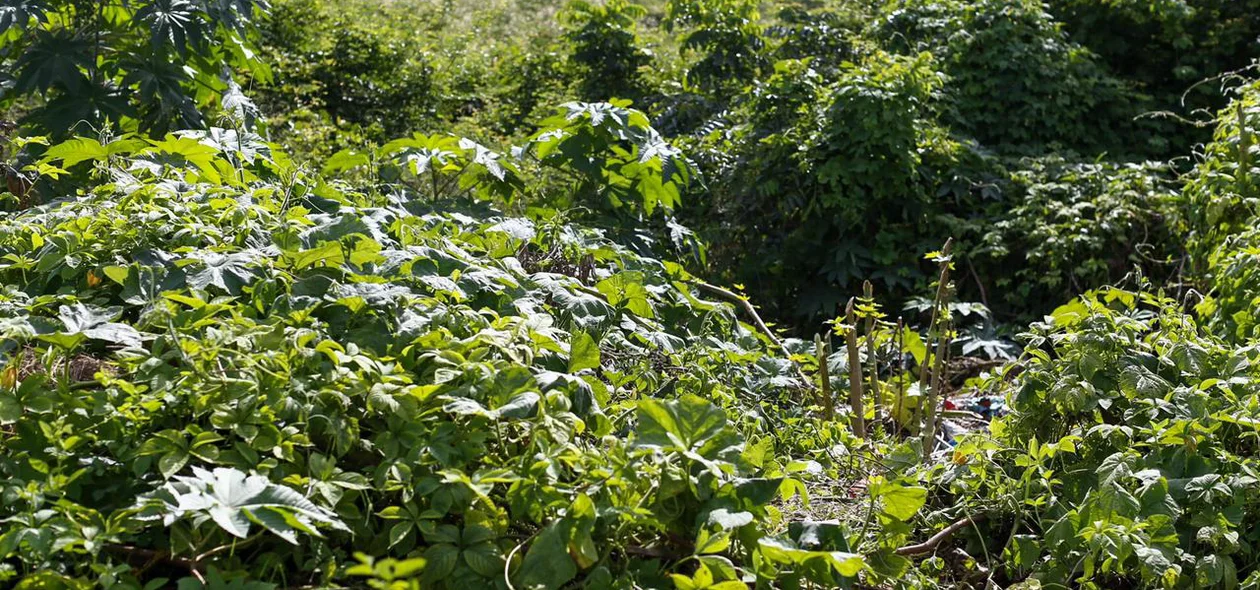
column 352, row 74
column 604, row 48
column 1221, row 204
column 1017, row 83
column 726, row 38
column 232, row 371
column 1132, row 436
column 828, row 38
column 1232, row 306
column 823, row 185
column 1222, row 193
column 151, row 66
column 1166, row 47
column 525, row 86
column 1069, row 227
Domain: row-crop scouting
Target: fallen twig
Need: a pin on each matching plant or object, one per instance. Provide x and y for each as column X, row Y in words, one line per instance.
column 143, row 557
column 931, row 544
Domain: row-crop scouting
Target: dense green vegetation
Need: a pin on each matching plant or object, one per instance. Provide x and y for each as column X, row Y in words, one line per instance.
column 526, row 294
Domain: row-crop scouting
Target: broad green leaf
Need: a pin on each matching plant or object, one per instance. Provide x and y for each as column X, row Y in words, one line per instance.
column 484, row 558
column 726, row 519
column 441, row 560
column 899, row 501
column 10, row 408
column 688, row 424
column 583, row 352
column 346, row 159
column 97, row 323
column 547, row 565
column 73, row 151
column 234, row 500
column 228, row 272
column 783, row 551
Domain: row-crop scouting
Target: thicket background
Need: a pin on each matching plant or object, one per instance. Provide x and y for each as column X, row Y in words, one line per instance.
column 339, row 293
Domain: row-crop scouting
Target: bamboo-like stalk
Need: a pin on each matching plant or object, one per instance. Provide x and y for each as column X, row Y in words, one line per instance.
column 1244, row 149
column 824, row 374
column 940, row 326
column 855, row 374
column 933, row 394
column 932, row 329
column 868, row 291
column 900, row 404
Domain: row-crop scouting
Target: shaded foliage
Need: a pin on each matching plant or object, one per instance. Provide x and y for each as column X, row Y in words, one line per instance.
column 153, row 65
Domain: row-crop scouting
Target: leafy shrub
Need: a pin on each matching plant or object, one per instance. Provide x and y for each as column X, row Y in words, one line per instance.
column 365, row 81
column 1221, row 192
column 726, row 37
column 604, row 48
column 1016, row 81
column 610, row 160
column 148, row 65
column 1072, row 227
column 527, row 83
column 353, row 73
column 1167, row 47
column 611, row 151
column 1132, row 436
column 238, row 373
column 1218, row 215
column 828, row 38
column 1230, row 308
column 1169, row 44
column 824, row 185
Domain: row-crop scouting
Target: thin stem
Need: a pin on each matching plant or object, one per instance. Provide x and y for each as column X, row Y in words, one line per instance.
column 899, row 406
column 855, row 373
column 933, row 395
column 1244, row 149
column 939, row 305
column 871, row 358
column 934, row 541
column 824, row 376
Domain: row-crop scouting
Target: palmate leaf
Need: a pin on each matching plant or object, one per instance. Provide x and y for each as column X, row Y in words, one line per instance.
column 80, row 149
column 19, row 13
column 235, row 501
column 182, row 152
column 347, row 159
column 238, row 104
column 578, row 308
column 441, row 162
column 98, row 323
column 234, row 14
column 81, row 110
column 247, row 146
column 228, row 272
column 1140, row 382
column 617, row 151
column 173, row 23
column 73, row 151
column 481, row 156
column 626, row 289
column 54, row 59
column 161, row 83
